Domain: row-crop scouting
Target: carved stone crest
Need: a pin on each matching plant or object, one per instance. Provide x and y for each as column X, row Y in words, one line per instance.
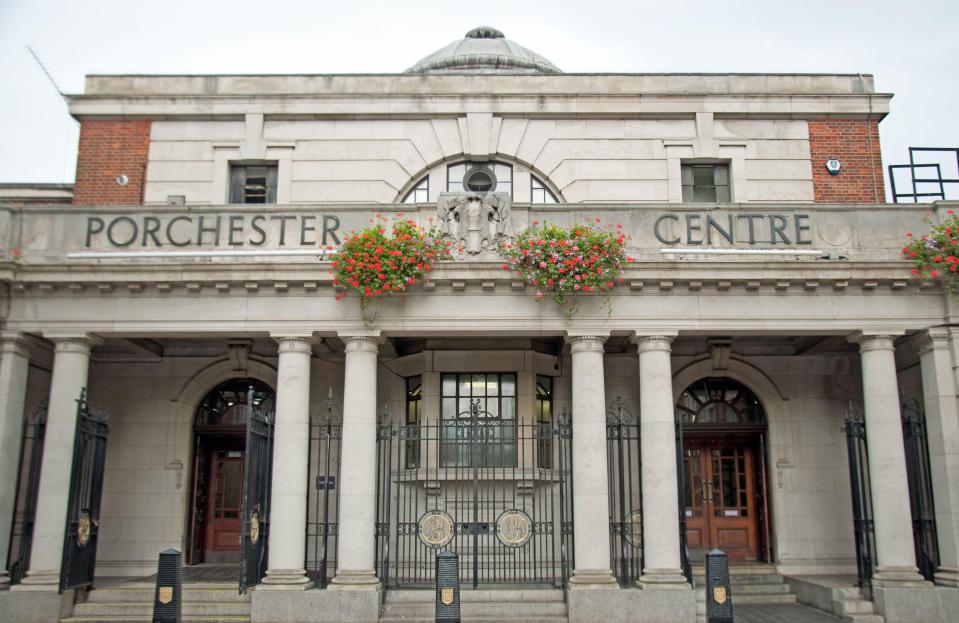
column 481, row 222
column 514, row 528
column 436, row 528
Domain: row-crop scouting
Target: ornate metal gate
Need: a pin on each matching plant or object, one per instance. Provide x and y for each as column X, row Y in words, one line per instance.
column 920, row 488
column 28, row 486
column 323, row 500
column 83, row 503
column 863, row 528
column 258, row 463
column 623, row 459
column 479, row 483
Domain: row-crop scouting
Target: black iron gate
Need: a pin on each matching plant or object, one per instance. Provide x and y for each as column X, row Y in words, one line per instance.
column 491, row 489
column 258, row 463
column 920, row 488
column 28, row 486
column 322, row 508
column 681, row 481
column 623, row 458
column 863, row 529
column 83, row 503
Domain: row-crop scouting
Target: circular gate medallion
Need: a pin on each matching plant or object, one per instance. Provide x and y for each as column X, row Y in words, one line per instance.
column 83, row 529
column 436, row 528
column 514, row 528
column 633, row 529
column 254, row 527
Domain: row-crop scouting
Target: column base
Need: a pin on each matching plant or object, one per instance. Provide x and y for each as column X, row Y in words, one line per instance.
column 286, row 580
column 359, row 580
column 663, row 579
column 899, row 577
column 592, row 579
column 41, row 581
column 947, row 576
column 34, row 606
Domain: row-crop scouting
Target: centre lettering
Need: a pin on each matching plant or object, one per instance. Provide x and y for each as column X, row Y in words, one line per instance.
column 705, row 229
column 238, row 230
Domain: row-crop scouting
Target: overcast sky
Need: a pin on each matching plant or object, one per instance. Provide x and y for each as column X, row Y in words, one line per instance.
column 912, row 48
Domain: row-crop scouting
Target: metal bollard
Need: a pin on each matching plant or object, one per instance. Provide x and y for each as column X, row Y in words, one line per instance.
column 719, row 597
column 447, row 587
column 168, row 598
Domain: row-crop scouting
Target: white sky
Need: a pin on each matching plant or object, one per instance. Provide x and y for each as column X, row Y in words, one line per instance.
column 912, row 48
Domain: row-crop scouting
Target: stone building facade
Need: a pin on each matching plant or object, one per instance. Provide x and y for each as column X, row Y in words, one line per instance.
column 186, row 287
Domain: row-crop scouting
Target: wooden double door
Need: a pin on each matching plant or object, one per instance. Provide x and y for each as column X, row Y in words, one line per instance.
column 217, row 501
column 723, row 498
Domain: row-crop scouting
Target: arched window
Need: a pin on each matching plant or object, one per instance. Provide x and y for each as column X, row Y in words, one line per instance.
column 539, row 193
column 718, row 400
column 420, row 193
column 224, row 406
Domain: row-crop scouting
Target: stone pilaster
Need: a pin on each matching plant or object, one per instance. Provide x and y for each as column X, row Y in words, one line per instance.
column 356, row 555
column 942, row 429
column 71, row 364
column 661, row 562
column 590, row 479
column 288, row 492
column 895, row 554
column 14, row 362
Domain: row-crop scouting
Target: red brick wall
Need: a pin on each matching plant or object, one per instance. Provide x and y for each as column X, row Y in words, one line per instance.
column 109, row 148
column 855, row 143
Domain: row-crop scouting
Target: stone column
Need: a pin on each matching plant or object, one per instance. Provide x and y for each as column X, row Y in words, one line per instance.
column 356, row 555
column 942, row 430
column 14, row 362
column 895, row 553
column 590, row 479
column 71, row 365
column 291, row 443
column 662, row 567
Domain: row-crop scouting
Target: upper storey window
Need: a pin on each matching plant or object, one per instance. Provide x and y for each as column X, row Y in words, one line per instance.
column 253, row 183
column 419, row 193
column 480, row 177
column 705, row 183
column 539, row 193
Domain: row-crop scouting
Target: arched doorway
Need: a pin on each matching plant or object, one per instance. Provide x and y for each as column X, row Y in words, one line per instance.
column 219, row 436
column 724, row 469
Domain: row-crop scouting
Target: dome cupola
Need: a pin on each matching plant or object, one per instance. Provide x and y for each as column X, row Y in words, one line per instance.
column 484, row 50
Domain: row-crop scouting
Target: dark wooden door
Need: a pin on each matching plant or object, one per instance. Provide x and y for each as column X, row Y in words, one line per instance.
column 225, row 503
column 720, row 499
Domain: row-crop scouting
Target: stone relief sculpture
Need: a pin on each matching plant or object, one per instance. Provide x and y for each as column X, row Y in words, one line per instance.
column 480, row 222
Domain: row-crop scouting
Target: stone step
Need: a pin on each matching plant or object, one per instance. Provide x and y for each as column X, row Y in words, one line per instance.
column 743, row 580
column 210, row 608
column 145, row 594
column 863, row 618
column 492, row 595
column 149, row 619
column 856, row 606
column 478, row 619
column 484, row 608
column 787, row 598
column 759, row 589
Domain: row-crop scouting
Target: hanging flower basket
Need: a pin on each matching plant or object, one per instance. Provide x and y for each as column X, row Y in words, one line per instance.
column 374, row 264
column 936, row 254
column 566, row 262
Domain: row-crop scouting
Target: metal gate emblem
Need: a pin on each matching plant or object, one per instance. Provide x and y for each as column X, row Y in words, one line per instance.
column 436, row 528
column 446, row 596
column 254, row 527
column 719, row 594
column 514, row 528
column 83, row 529
column 633, row 530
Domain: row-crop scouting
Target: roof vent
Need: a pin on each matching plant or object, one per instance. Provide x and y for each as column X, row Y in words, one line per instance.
column 485, row 32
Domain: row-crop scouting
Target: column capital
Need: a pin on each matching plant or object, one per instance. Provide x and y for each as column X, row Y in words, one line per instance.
column 933, row 338
column 81, row 343
column 653, row 342
column 590, row 342
column 295, row 343
column 14, row 343
column 364, row 343
column 875, row 341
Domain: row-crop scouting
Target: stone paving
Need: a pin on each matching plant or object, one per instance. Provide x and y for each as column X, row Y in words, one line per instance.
column 780, row 613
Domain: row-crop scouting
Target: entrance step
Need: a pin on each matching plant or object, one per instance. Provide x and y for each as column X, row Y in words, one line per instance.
column 750, row 583
column 132, row 602
column 536, row 606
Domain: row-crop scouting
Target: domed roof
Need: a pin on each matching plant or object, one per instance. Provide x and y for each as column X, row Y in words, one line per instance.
column 484, row 50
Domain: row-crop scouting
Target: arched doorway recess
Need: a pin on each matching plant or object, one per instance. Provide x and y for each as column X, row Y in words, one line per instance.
column 219, row 436
column 724, row 429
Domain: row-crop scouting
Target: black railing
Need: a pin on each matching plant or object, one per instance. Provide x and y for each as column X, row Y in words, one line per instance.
column 863, row 529
column 921, row 501
column 322, row 508
column 623, row 459
column 257, row 473
column 925, row 181
column 681, row 481
column 475, row 487
column 28, row 487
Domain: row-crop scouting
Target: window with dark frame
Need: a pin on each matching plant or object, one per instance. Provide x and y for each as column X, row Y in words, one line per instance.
column 705, row 183
column 539, row 193
column 544, row 422
column 420, row 193
column 253, row 183
column 414, row 411
column 495, row 396
column 480, row 177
